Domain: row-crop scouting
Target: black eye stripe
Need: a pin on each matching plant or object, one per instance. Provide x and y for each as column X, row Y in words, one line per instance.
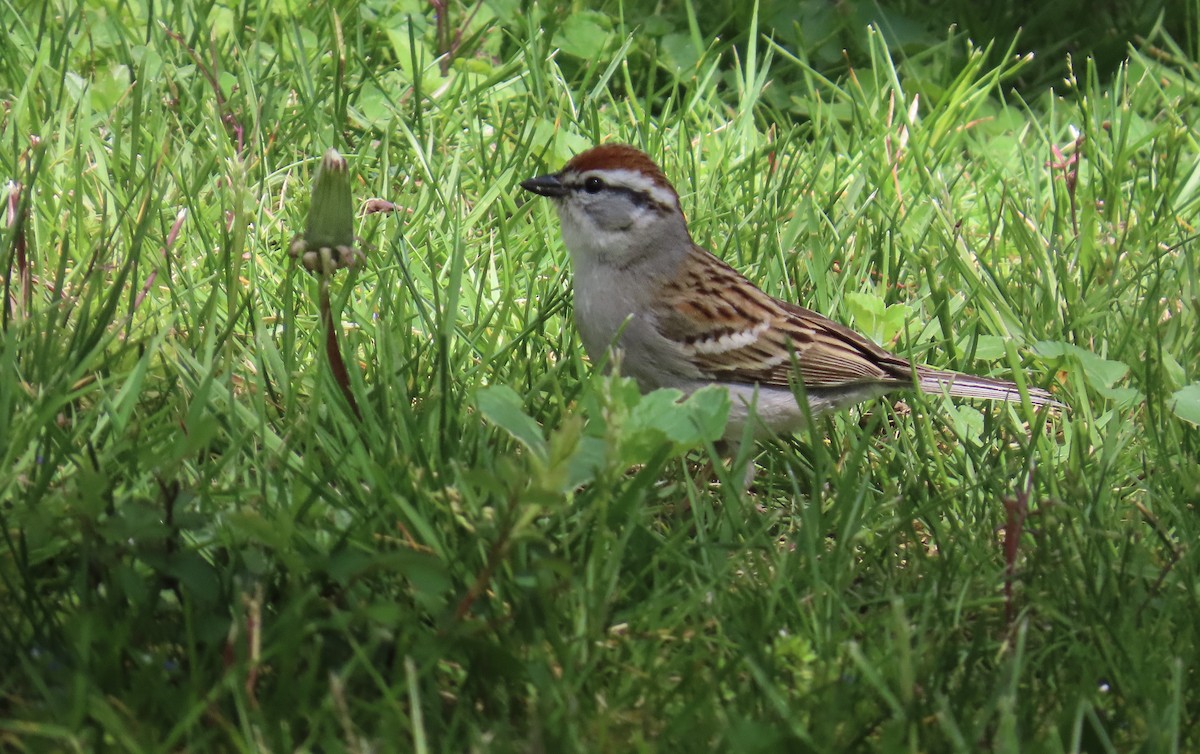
column 594, row 185
column 640, row 198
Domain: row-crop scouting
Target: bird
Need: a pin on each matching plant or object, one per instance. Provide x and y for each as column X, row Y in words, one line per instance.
column 683, row 318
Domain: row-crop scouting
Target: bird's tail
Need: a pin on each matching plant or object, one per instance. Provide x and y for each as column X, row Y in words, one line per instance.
column 936, row 382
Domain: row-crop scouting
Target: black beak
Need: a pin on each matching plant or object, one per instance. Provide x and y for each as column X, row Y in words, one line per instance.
column 546, row 185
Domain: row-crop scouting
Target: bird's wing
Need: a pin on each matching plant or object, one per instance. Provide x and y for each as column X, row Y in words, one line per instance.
column 735, row 333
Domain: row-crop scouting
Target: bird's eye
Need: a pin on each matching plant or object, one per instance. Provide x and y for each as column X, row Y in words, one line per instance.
column 593, row 185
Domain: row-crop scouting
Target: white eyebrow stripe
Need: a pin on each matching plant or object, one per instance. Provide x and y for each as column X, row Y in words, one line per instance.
column 635, row 180
column 732, row 341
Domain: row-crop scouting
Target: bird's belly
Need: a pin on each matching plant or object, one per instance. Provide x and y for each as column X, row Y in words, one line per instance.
column 613, row 317
column 775, row 411
column 599, row 318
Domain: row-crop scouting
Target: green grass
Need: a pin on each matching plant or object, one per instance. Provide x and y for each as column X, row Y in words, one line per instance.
column 203, row 549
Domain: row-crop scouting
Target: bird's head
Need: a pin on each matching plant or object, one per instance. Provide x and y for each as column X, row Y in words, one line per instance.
column 616, row 206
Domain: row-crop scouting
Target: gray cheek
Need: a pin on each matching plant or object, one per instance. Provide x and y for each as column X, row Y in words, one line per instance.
column 617, row 220
column 610, row 214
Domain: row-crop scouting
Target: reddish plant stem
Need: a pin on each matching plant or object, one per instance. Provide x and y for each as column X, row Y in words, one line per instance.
column 495, row 555
column 334, row 352
column 1016, row 511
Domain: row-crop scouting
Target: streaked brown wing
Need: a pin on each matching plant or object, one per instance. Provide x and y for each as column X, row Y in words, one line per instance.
column 753, row 338
column 838, row 354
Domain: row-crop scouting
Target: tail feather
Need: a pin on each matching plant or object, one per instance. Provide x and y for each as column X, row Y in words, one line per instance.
column 937, row 382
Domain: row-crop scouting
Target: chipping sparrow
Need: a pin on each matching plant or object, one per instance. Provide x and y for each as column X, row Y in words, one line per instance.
column 685, row 319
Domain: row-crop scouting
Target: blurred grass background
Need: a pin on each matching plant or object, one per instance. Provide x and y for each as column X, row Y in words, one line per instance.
column 204, row 549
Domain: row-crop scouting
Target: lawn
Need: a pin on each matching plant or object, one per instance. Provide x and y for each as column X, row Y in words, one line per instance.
column 493, row 546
